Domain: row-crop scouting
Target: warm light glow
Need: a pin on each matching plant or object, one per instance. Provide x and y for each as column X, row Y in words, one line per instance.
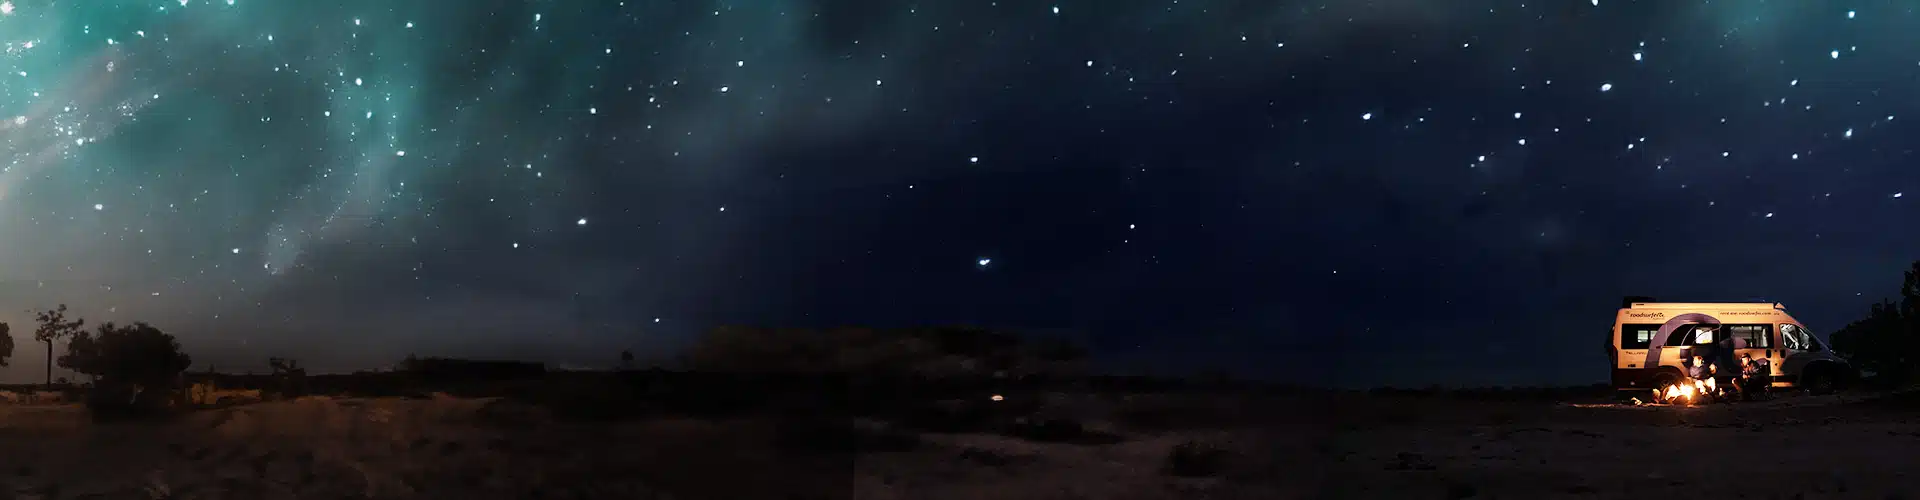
column 997, row 397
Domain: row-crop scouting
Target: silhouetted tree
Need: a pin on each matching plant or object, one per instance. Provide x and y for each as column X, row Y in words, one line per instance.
column 135, row 367
column 6, row 343
column 54, row 326
column 288, row 374
column 1884, row 341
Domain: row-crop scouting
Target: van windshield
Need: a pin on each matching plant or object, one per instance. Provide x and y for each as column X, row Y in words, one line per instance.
column 1796, row 338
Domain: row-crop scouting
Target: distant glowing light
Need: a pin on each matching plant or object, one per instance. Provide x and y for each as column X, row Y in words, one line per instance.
column 1834, row 54
column 236, row 250
column 6, row 8
column 1639, row 56
column 1366, row 116
column 1850, row 14
column 1056, row 9
column 1606, row 87
column 973, row 159
column 983, row 262
column 98, row 206
column 1848, row 133
column 581, row 222
column 1898, row 195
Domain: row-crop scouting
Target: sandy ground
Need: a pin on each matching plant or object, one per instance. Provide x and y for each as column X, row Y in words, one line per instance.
column 1273, row 448
column 1801, row 447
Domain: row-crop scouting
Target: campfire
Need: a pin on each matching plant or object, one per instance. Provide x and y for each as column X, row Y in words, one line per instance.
column 1688, row 393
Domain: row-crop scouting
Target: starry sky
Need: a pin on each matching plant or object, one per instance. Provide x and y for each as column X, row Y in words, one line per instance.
column 1345, row 193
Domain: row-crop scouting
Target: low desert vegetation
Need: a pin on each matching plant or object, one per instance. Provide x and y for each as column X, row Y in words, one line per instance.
column 964, row 405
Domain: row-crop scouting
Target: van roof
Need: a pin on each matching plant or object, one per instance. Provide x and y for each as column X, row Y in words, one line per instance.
column 1709, row 305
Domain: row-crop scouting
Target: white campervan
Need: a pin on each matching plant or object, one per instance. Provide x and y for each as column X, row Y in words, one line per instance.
column 1651, row 342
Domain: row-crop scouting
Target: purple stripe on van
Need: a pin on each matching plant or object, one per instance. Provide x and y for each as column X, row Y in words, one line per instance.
column 1666, row 330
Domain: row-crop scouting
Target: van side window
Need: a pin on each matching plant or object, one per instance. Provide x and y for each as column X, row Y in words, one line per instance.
column 1684, row 335
column 1637, row 336
column 1753, row 336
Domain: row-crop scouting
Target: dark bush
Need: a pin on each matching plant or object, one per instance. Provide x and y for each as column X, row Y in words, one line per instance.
column 1196, row 459
column 138, row 369
column 948, row 416
column 1883, row 342
column 1058, row 430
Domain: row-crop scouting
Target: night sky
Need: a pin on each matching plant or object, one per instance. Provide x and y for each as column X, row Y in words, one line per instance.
column 1352, row 193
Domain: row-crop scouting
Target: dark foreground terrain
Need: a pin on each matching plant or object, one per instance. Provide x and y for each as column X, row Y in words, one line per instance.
column 1844, row 446
column 1061, row 445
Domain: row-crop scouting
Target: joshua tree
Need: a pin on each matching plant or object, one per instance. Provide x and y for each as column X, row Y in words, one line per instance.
column 54, row 326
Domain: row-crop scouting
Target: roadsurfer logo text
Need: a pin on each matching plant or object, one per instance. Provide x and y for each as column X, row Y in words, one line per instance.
column 1650, row 315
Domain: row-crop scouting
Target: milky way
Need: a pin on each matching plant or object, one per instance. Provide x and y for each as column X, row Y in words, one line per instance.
column 350, row 181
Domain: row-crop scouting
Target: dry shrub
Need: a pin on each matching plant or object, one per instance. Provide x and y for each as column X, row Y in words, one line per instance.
column 840, row 435
column 511, row 415
column 1196, row 459
column 1059, row 430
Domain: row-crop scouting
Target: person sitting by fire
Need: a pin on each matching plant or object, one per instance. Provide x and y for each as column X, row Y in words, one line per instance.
column 1702, row 379
column 1727, row 369
column 1757, row 377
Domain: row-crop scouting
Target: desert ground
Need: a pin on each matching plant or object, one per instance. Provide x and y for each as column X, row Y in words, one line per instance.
column 1297, row 445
